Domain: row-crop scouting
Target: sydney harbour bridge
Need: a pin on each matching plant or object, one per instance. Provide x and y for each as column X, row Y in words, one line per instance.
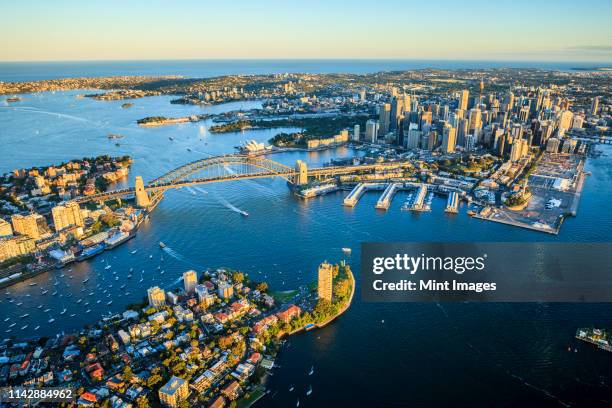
column 229, row 168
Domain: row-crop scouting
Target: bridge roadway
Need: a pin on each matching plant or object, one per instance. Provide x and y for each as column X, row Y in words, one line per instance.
column 246, row 167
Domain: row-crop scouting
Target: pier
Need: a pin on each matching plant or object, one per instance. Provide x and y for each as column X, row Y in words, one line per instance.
column 419, row 202
column 352, row 199
column 452, row 203
column 387, row 196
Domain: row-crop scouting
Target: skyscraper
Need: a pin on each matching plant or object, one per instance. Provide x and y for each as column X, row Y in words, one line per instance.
column 385, row 118
column 463, row 99
column 595, row 105
column 356, row 133
column 190, row 280
column 324, row 286
column 448, row 138
column 371, row 131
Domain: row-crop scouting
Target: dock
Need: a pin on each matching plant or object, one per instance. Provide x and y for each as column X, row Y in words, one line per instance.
column 452, row 203
column 419, row 202
column 353, row 197
column 387, row 196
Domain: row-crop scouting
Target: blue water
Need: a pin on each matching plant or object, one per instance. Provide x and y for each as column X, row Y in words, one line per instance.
column 31, row 71
column 422, row 355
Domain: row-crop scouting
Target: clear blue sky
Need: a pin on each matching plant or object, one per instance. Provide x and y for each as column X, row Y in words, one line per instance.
column 558, row 30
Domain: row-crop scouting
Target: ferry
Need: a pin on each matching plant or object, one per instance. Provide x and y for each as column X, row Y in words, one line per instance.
column 90, row 252
column 161, row 244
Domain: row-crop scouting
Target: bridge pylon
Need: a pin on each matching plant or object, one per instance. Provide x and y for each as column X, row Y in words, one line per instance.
column 301, row 177
column 142, row 198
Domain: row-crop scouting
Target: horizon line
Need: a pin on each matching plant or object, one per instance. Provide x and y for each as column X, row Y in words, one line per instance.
column 313, row 59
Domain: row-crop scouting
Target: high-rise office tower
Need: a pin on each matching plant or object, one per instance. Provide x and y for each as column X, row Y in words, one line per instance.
column 397, row 112
column 475, row 119
column 371, row 131
column 448, row 139
column 324, row 284
column 463, row 99
column 462, row 131
column 384, row 118
column 595, row 105
column 356, row 132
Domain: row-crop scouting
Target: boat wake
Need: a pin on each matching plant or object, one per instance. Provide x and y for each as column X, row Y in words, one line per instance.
column 179, row 257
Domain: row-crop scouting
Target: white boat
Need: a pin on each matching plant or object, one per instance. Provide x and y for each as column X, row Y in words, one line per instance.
column 346, row 250
column 7, row 319
column 311, row 372
column 32, row 284
column 24, row 327
column 298, row 403
column 47, row 310
column 37, row 327
column 85, row 280
column 244, row 213
column 63, row 311
column 51, row 320
column 88, row 310
column 44, row 292
column 107, row 267
column 309, row 391
column 134, row 251
column 72, row 314
column 23, row 316
column 12, row 325
column 54, row 293
column 110, row 302
column 291, row 388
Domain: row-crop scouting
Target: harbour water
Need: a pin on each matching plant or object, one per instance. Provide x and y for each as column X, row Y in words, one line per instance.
column 381, row 354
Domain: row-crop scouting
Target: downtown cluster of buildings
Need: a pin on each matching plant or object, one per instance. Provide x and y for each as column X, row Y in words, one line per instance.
column 508, row 124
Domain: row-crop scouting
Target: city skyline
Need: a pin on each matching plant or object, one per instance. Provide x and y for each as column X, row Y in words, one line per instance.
column 545, row 31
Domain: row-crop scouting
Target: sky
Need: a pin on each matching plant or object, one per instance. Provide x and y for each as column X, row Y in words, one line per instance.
column 518, row 30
